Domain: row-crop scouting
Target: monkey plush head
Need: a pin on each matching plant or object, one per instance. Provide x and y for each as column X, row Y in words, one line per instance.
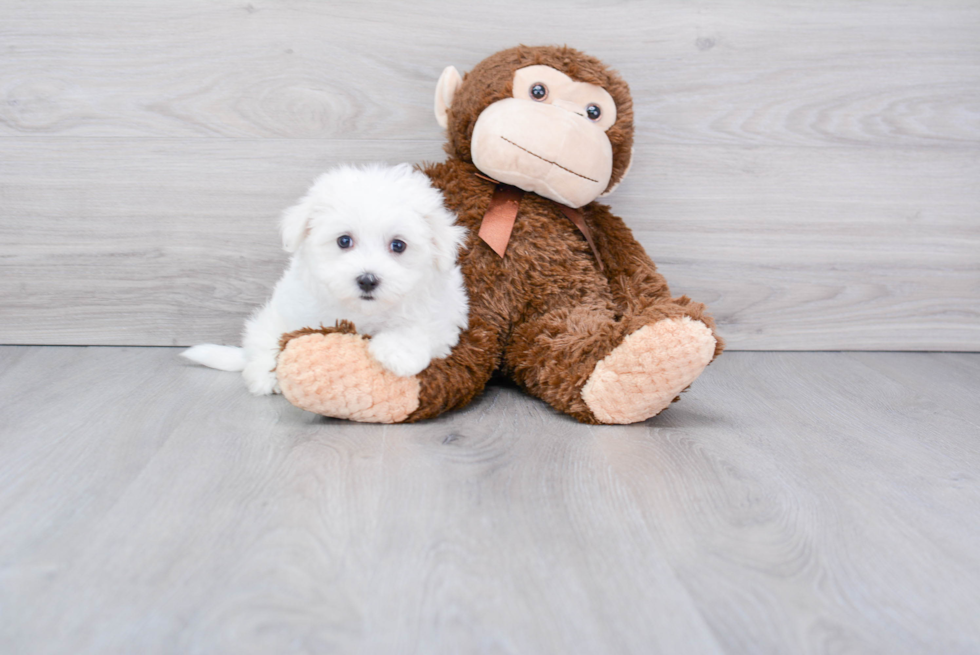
column 548, row 120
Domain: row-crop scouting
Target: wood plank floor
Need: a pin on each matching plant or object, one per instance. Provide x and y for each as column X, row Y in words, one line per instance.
column 790, row 503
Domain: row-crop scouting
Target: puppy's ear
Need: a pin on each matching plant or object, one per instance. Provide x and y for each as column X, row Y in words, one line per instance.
column 447, row 239
column 295, row 224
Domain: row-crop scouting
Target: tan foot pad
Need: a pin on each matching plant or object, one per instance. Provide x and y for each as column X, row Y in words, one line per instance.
column 333, row 375
column 644, row 373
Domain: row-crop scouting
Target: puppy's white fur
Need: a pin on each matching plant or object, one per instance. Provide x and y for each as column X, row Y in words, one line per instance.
column 416, row 311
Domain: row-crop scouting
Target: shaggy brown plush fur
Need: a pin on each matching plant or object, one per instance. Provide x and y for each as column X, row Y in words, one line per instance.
column 545, row 314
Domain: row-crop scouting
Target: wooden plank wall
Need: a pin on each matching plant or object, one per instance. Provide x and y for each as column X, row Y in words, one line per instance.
column 811, row 170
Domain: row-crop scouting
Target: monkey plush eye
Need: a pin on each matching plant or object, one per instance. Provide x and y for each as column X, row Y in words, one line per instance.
column 345, row 241
column 594, row 112
column 397, row 246
column 539, row 91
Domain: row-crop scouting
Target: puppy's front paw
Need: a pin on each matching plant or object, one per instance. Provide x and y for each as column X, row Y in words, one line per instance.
column 259, row 379
column 399, row 354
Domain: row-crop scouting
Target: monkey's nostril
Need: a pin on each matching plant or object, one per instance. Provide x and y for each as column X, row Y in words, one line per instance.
column 368, row 282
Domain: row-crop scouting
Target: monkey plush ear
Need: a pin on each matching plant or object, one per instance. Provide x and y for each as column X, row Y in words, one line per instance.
column 629, row 165
column 449, row 81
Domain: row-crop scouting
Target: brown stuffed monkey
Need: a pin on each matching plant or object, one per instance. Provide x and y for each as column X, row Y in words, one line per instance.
column 563, row 300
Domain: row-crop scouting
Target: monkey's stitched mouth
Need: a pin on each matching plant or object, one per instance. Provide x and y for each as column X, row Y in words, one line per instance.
column 553, row 163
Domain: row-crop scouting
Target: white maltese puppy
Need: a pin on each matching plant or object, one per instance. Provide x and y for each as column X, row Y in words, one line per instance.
column 375, row 246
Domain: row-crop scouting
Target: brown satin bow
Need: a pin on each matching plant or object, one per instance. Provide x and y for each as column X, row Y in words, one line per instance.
column 498, row 222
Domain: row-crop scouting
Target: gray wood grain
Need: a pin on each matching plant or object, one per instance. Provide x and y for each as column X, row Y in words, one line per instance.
column 809, row 171
column 761, row 73
column 791, row 502
column 844, row 507
column 174, row 242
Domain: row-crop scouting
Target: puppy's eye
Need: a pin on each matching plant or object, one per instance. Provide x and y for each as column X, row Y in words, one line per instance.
column 345, row 241
column 397, row 245
column 538, row 91
column 594, row 112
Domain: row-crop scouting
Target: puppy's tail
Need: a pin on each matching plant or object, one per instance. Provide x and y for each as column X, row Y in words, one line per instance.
column 225, row 358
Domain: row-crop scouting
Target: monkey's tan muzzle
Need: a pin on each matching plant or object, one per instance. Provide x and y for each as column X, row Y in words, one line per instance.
column 546, row 149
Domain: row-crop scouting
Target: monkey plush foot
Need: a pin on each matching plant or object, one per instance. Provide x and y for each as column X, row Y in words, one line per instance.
column 330, row 372
column 648, row 370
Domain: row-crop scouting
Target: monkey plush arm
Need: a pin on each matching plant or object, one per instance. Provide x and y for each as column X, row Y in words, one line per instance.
column 628, row 267
column 633, row 277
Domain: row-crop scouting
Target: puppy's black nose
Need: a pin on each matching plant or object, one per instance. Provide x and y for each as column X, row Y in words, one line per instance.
column 367, row 282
